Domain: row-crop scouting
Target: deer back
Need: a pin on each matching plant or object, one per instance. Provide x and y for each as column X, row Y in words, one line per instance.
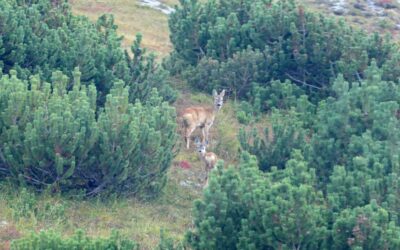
column 210, row 159
column 197, row 116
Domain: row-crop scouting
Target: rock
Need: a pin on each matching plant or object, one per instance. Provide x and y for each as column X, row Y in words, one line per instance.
column 338, row 7
column 359, row 6
column 387, row 4
column 367, row 14
column 3, row 223
column 338, row 11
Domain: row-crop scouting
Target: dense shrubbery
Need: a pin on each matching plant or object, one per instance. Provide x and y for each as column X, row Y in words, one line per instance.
column 342, row 115
column 357, row 128
column 323, row 174
column 351, row 151
column 52, row 240
column 360, row 121
column 283, row 209
column 102, row 128
column 237, row 44
column 52, row 137
column 344, row 193
column 275, row 144
column 42, row 36
column 252, row 210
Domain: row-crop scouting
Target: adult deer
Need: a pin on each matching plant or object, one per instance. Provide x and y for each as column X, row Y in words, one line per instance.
column 201, row 117
column 209, row 158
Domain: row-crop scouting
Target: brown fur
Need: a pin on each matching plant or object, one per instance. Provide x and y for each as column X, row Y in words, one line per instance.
column 197, row 117
column 210, row 160
column 200, row 117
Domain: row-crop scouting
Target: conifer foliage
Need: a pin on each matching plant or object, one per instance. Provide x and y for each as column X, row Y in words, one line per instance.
column 343, row 193
column 52, row 240
column 329, row 156
column 235, row 44
column 52, row 137
column 250, row 210
column 76, row 110
column 41, row 36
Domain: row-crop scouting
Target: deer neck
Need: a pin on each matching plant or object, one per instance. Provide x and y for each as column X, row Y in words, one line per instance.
column 213, row 113
column 203, row 156
column 215, row 110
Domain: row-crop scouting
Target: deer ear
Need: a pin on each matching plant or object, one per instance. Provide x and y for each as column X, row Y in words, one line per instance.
column 214, row 93
column 222, row 93
column 196, row 140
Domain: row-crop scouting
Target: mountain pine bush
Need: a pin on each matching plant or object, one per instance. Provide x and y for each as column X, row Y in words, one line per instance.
column 367, row 227
column 284, row 209
column 337, row 88
column 54, row 137
column 359, row 128
column 350, row 165
column 275, row 144
column 236, row 44
column 52, row 240
column 247, row 209
column 41, row 36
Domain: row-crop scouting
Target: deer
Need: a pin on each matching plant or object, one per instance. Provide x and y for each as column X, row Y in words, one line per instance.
column 201, row 117
column 209, row 158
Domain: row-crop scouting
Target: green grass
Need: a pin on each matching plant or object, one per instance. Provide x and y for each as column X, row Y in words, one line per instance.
column 137, row 220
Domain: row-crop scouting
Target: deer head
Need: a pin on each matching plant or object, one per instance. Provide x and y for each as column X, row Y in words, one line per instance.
column 201, row 147
column 218, row 99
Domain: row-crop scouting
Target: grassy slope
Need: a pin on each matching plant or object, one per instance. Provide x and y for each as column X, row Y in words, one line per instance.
column 131, row 19
column 138, row 220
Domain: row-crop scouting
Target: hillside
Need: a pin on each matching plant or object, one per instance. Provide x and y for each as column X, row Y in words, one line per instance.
column 381, row 16
column 133, row 17
column 172, row 211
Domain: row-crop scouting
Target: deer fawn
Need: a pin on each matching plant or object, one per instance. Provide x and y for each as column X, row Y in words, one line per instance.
column 201, row 117
column 209, row 158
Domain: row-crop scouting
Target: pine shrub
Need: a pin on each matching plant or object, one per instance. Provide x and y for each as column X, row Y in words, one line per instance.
column 236, row 44
column 247, row 209
column 41, row 36
column 52, row 240
column 56, row 138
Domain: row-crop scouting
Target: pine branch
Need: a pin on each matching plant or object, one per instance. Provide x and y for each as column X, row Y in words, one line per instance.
column 302, row 82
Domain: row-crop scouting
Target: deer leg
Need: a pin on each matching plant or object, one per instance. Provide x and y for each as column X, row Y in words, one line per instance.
column 206, row 184
column 207, row 130
column 189, row 132
column 206, row 180
column 207, row 172
column 203, row 130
